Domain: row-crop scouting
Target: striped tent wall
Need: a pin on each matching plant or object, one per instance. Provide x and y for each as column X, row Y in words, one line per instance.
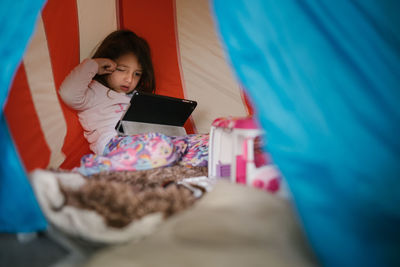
column 188, row 59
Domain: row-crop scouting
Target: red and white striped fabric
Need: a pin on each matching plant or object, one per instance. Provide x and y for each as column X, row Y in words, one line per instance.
column 188, row 59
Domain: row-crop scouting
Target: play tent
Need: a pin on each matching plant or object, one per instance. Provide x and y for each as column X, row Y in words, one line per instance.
column 323, row 77
column 188, row 60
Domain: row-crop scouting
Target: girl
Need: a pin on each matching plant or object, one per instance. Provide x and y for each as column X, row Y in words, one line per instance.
column 99, row 88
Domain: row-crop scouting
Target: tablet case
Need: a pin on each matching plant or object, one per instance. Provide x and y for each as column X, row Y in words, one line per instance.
column 155, row 113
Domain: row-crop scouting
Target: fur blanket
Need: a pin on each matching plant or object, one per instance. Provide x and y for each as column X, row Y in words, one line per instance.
column 112, row 207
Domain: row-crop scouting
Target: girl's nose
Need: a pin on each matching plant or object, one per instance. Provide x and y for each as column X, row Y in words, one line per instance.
column 128, row 78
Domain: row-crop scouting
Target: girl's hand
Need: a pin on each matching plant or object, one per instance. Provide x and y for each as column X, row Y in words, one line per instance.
column 106, row 65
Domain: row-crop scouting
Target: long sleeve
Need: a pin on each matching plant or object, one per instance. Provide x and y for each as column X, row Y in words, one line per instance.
column 75, row 90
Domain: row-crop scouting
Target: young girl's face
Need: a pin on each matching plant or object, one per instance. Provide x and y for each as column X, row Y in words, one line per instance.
column 127, row 74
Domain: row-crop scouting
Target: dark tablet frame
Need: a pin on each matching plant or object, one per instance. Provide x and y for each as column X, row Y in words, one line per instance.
column 158, row 109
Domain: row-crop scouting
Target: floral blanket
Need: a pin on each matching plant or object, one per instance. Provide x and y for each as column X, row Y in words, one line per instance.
column 147, row 151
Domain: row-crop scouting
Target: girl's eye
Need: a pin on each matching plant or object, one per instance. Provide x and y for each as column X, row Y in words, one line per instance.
column 138, row 74
column 119, row 69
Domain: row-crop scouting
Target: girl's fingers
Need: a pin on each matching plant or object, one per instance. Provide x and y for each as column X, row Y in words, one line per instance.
column 106, row 66
column 110, row 66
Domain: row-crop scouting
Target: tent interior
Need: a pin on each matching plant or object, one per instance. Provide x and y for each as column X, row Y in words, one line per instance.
column 188, row 60
column 212, row 52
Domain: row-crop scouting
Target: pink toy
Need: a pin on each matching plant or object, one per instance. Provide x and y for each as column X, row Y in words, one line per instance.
column 233, row 154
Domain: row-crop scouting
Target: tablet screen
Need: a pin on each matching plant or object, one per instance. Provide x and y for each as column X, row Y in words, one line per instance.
column 151, row 108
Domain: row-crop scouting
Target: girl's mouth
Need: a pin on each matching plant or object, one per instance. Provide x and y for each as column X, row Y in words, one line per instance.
column 125, row 88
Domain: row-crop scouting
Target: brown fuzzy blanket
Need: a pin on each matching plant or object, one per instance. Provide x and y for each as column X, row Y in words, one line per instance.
column 121, row 197
column 115, row 207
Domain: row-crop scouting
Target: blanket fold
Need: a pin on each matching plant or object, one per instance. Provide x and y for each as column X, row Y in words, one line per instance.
column 113, row 207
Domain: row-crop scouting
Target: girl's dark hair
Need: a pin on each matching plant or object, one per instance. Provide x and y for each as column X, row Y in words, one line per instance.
column 122, row 42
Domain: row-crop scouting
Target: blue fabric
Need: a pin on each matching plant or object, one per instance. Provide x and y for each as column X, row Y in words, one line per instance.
column 19, row 210
column 324, row 77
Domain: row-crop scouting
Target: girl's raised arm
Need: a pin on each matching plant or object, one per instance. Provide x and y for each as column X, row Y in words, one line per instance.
column 74, row 90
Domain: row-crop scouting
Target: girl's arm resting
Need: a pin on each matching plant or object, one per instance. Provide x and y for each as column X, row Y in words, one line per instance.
column 74, row 90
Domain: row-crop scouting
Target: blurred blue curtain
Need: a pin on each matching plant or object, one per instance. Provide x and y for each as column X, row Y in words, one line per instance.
column 19, row 210
column 324, row 77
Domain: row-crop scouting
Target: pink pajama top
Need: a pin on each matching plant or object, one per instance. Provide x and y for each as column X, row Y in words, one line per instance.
column 99, row 108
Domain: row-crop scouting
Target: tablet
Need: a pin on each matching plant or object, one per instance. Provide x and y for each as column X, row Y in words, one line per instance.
column 146, row 108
